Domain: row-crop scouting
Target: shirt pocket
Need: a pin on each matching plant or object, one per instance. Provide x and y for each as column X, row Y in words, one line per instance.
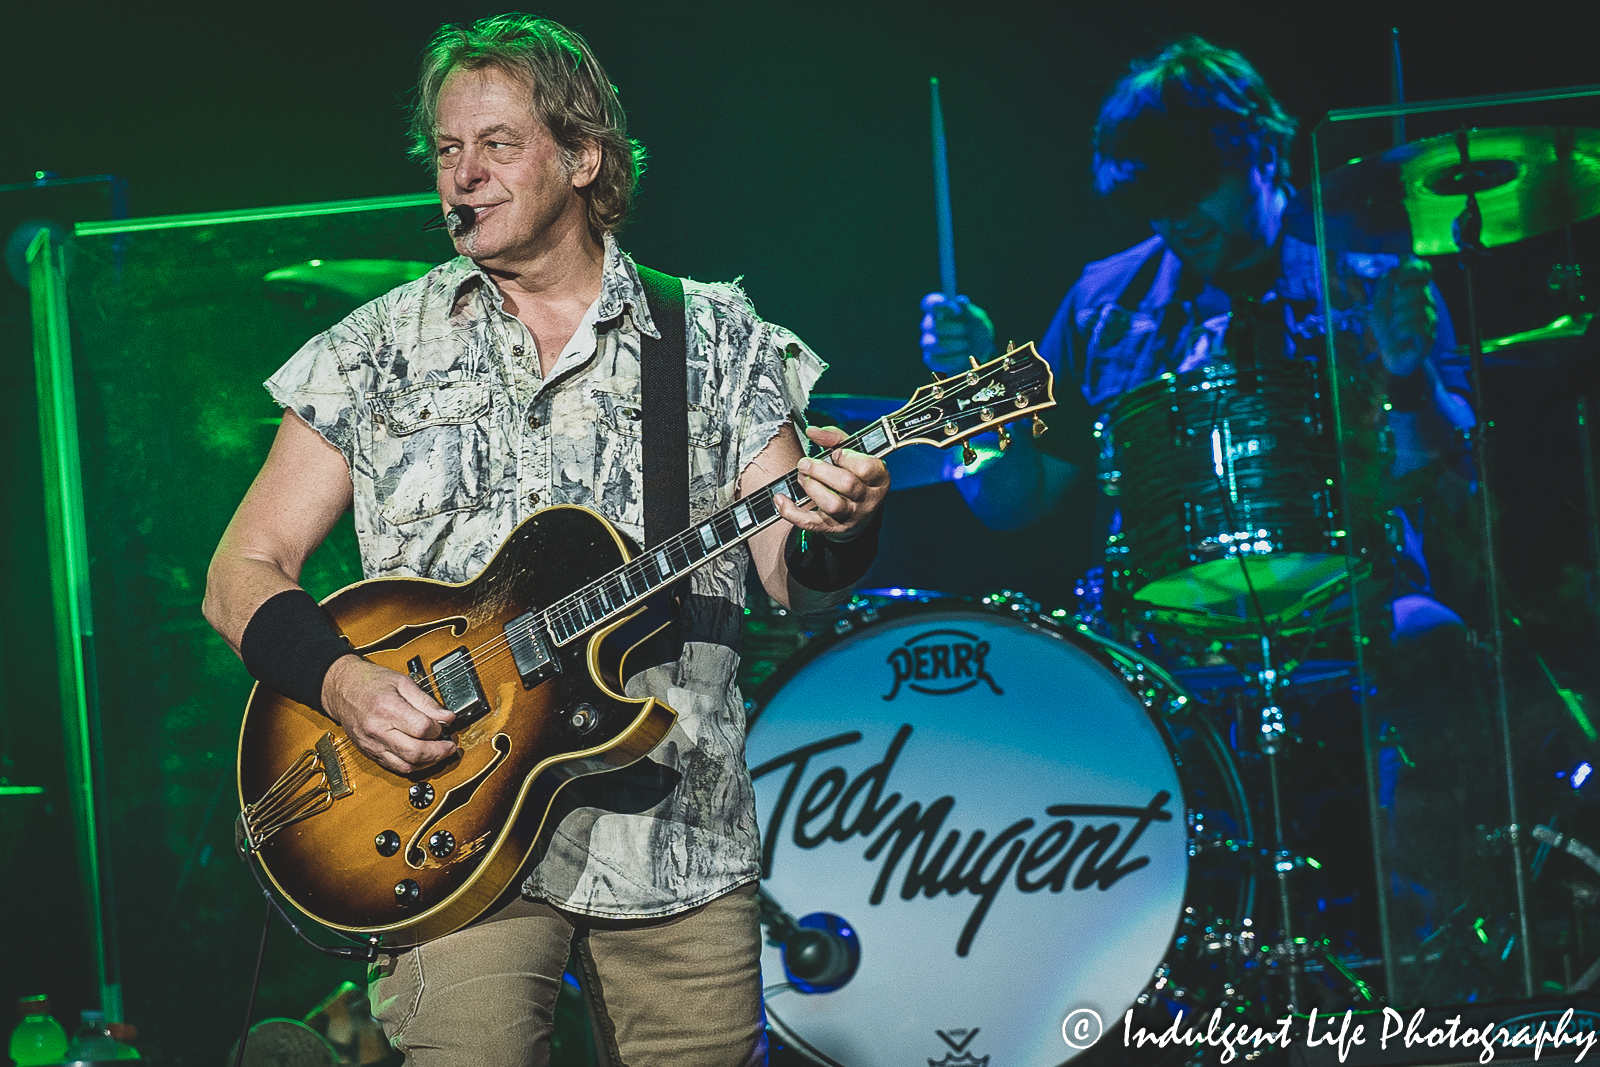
column 432, row 449
column 1117, row 350
column 619, row 453
column 621, row 414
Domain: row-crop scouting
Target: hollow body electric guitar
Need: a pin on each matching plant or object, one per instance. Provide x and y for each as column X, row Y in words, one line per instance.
column 530, row 656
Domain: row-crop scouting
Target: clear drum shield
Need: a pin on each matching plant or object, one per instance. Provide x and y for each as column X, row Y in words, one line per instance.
column 1468, row 495
column 175, row 323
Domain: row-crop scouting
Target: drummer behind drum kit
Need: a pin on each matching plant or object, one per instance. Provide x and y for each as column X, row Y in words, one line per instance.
column 1001, row 823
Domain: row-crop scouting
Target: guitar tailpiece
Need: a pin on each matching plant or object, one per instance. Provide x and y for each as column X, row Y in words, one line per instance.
column 296, row 795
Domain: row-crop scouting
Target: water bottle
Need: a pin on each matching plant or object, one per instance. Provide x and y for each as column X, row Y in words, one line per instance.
column 93, row 1041
column 38, row 1038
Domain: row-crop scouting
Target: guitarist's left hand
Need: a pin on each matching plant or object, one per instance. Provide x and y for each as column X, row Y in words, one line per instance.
column 844, row 494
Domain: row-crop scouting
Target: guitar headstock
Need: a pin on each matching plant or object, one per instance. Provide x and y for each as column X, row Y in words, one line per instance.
column 1009, row 387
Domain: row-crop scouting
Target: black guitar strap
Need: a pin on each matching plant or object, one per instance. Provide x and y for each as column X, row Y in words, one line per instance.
column 664, row 403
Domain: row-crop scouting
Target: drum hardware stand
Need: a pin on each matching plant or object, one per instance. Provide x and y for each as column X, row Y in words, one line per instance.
column 1550, row 839
column 1591, row 508
column 1270, row 742
column 1272, row 730
column 1469, row 239
column 1567, row 278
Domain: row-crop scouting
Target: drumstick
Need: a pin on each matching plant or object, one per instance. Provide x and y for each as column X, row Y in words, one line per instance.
column 1397, row 89
column 941, row 199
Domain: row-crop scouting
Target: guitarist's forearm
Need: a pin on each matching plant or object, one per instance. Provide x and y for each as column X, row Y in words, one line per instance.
column 236, row 587
column 821, row 571
column 302, row 490
column 803, row 601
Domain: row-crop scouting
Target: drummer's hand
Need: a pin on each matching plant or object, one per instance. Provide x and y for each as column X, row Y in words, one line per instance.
column 1404, row 319
column 845, row 494
column 954, row 333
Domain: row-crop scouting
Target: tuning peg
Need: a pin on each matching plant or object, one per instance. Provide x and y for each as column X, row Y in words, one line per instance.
column 1011, row 346
column 1039, row 427
column 938, row 376
column 1005, row 439
column 969, row 455
column 974, row 361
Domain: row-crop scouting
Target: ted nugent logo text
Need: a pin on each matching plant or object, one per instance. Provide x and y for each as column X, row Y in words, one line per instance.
column 1087, row 845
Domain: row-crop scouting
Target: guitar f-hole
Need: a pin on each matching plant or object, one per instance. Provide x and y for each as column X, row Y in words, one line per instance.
column 454, row 800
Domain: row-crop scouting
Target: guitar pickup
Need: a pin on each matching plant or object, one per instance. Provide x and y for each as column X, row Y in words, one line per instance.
column 460, row 691
column 415, row 669
column 530, row 651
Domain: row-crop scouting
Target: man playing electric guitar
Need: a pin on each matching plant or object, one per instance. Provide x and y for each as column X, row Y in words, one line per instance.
column 444, row 414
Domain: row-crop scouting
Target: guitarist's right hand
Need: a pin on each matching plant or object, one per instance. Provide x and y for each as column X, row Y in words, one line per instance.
column 386, row 714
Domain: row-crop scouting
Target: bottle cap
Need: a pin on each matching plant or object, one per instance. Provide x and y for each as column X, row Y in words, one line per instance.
column 93, row 1017
column 38, row 1005
column 126, row 1033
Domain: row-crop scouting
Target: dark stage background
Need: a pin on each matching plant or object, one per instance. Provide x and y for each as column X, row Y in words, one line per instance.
column 789, row 147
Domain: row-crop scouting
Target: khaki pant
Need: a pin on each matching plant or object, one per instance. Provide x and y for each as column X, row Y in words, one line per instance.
column 683, row 991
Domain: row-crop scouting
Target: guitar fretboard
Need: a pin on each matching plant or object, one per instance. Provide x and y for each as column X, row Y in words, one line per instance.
column 622, row 589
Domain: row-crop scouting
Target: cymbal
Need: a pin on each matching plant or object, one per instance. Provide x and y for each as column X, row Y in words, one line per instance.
column 1565, row 328
column 913, row 466
column 1528, row 180
column 358, row 279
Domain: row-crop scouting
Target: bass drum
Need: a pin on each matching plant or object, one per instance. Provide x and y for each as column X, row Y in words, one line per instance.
column 1013, row 819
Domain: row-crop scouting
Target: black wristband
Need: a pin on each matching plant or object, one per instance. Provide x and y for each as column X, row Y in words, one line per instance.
column 1409, row 393
column 289, row 644
column 824, row 565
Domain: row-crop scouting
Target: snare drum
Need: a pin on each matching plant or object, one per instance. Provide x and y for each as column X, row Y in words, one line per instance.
column 1226, row 488
column 1010, row 815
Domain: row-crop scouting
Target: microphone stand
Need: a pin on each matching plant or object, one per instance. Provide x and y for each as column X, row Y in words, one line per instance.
column 1469, row 239
column 818, row 958
column 366, row 953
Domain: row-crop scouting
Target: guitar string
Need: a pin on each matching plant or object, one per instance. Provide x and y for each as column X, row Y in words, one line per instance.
column 566, row 610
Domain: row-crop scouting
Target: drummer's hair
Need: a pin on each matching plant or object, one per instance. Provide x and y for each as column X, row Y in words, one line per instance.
column 1175, row 123
column 570, row 94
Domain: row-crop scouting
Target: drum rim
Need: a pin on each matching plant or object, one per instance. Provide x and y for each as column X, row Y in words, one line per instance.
column 1103, row 649
column 1220, row 372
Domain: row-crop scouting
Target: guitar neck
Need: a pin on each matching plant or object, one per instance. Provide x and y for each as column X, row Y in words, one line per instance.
column 624, row 588
column 1010, row 387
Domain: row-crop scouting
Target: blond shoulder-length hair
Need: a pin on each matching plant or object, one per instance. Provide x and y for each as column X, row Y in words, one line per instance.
column 570, row 93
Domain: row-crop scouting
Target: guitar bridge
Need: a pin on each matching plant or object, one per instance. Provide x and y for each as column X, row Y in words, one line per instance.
column 308, row 787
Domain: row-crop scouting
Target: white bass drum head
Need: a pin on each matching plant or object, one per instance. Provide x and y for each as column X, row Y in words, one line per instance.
column 992, row 809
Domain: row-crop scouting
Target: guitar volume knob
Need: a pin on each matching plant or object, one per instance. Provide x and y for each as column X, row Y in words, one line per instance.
column 387, row 843
column 441, row 843
column 407, row 892
column 421, row 794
